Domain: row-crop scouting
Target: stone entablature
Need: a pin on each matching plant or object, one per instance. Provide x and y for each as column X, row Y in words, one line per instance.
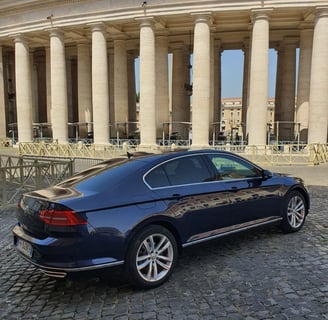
column 230, row 19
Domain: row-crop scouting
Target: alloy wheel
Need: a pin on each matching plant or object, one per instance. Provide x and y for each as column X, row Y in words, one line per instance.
column 155, row 257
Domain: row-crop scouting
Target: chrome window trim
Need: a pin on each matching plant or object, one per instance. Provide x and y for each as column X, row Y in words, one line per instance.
column 196, row 183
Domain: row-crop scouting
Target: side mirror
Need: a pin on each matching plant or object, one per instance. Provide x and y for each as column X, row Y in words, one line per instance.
column 266, row 174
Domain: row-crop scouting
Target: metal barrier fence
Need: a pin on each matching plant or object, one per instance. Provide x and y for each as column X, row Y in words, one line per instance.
column 71, row 150
column 22, row 174
column 45, row 164
column 272, row 154
column 287, row 154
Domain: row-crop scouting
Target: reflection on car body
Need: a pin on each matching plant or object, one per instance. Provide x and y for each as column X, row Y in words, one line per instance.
column 139, row 211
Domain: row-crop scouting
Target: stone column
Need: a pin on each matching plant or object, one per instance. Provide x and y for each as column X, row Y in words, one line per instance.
column 110, row 56
column 100, row 94
column 132, row 114
column 34, row 79
column 285, row 113
column 70, row 111
column 59, row 116
column 180, row 81
column 121, row 97
column 162, row 89
column 212, row 77
column 10, row 89
column 319, row 80
column 23, row 90
column 318, row 116
column 2, row 99
column 201, row 82
column 147, row 113
column 258, row 89
column 245, row 96
column 303, row 86
column 40, row 89
column 84, row 90
column 48, row 84
column 216, row 87
column 279, row 83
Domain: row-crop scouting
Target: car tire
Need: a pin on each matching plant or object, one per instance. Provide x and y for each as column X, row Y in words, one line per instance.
column 295, row 211
column 151, row 257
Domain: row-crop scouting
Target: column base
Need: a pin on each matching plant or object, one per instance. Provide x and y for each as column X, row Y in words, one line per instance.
column 257, row 149
column 199, row 146
column 102, row 146
column 151, row 148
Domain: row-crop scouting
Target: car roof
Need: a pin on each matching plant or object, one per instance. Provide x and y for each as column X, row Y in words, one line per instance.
column 152, row 157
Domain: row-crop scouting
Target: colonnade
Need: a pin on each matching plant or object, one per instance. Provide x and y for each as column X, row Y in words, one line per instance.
column 106, row 88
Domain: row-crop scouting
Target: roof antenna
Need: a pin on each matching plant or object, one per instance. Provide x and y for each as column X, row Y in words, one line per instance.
column 129, row 155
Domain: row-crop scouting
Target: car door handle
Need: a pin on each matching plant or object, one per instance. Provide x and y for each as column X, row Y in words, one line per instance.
column 234, row 188
column 177, row 195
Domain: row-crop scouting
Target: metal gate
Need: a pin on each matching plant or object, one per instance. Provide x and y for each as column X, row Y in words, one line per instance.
column 22, row 174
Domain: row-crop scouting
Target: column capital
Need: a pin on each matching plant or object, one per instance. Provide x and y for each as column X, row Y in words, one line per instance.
column 260, row 14
column 56, row 32
column 178, row 45
column 119, row 37
column 20, row 38
column 162, row 34
column 146, row 21
column 218, row 45
column 97, row 26
column 132, row 54
column 321, row 12
column 305, row 26
column 246, row 44
column 82, row 43
column 290, row 41
column 205, row 17
column 306, row 33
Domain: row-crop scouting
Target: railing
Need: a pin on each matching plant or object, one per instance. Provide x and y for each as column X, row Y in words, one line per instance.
column 274, row 154
column 281, row 154
column 22, row 174
column 71, row 150
column 47, row 164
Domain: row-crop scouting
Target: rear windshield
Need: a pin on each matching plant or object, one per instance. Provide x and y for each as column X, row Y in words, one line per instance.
column 103, row 175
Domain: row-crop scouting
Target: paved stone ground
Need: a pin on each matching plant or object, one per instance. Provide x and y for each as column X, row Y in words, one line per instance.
column 260, row 274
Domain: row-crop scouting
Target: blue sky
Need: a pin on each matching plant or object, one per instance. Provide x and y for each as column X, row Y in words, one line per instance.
column 232, row 62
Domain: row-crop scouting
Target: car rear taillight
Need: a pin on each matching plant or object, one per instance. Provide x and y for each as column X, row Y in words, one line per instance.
column 61, row 218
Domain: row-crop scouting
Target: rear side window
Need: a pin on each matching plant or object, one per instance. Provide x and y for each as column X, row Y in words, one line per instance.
column 157, row 178
column 185, row 170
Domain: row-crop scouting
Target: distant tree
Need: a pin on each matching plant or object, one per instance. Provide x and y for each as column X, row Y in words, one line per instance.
column 138, row 97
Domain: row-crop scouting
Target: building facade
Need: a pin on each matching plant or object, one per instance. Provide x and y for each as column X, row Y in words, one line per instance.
column 232, row 127
column 67, row 67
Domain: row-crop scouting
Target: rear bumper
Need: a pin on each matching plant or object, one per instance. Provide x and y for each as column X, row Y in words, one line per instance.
column 57, row 272
column 48, row 256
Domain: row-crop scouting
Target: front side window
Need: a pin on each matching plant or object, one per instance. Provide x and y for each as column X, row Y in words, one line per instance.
column 233, row 168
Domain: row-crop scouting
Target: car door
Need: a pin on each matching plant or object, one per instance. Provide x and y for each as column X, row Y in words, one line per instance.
column 253, row 198
column 198, row 203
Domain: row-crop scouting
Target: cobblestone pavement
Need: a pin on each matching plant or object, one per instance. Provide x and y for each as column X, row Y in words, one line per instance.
column 261, row 274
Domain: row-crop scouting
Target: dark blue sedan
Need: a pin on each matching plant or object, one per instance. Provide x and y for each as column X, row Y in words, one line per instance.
column 140, row 211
